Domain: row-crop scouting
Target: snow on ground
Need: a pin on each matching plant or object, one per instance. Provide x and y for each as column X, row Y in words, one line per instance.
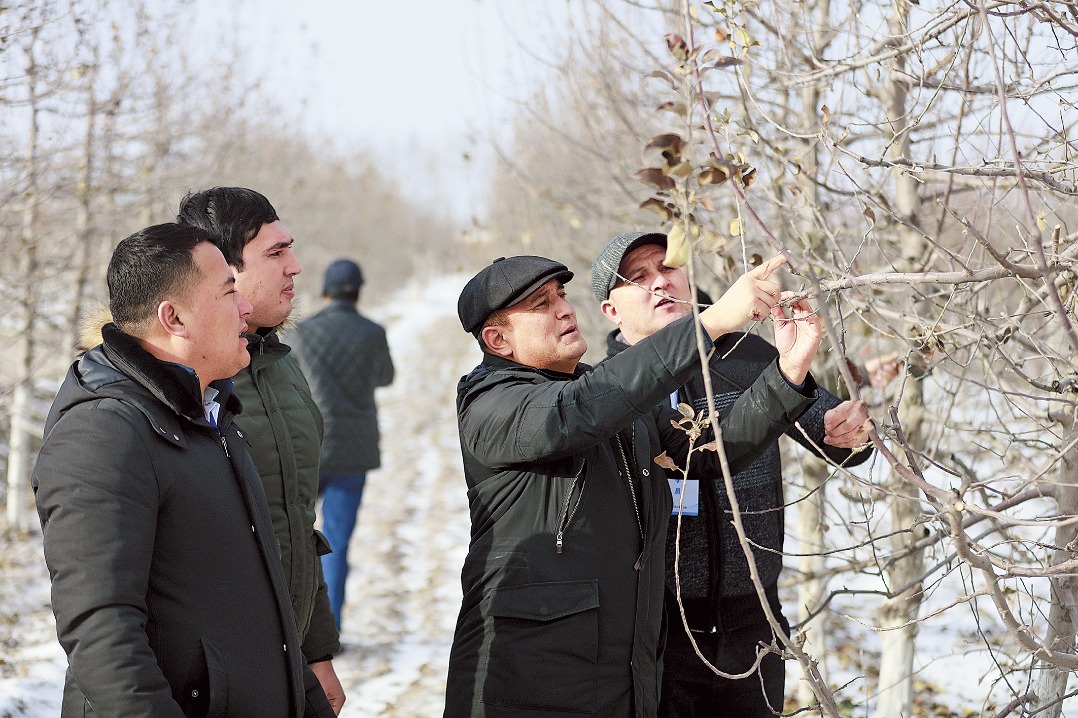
column 32, row 663
column 404, row 592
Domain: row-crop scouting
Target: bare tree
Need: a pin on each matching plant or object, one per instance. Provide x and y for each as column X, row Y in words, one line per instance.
column 101, row 133
column 921, row 184
column 21, row 422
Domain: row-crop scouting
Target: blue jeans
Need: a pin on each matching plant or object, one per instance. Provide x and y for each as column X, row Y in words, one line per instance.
column 341, row 494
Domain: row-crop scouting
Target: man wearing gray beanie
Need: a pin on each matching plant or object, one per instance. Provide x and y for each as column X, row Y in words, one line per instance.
column 641, row 295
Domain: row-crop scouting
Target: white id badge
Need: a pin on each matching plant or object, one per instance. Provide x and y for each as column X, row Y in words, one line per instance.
column 691, row 489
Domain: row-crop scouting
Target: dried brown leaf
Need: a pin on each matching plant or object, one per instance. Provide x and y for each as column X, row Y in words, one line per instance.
column 665, row 462
column 654, row 176
column 669, row 141
column 657, row 205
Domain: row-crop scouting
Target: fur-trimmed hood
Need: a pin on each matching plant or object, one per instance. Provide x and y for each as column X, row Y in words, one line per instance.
column 90, row 328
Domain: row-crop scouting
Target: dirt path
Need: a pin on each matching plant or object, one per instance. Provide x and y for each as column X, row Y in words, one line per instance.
column 403, row 592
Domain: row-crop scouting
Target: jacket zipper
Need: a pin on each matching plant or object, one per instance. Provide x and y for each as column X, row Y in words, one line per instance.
column 632, row 492
column 563, row 520
column 221, row 437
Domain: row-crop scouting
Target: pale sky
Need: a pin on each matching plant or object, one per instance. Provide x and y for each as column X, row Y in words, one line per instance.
column 404, row 79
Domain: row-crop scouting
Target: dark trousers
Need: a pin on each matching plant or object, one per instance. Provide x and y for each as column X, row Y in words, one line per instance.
column 690, row 688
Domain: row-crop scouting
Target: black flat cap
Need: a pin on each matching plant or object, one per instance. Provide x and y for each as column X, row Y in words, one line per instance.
column 604, row 271
column 502, row 284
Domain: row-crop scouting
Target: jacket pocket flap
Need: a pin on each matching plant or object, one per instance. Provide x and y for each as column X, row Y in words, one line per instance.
column 321, row 543
column 545, row 601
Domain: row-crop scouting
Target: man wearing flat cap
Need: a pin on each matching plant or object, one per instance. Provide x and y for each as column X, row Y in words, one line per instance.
column 345, row 357
column 563, row 582
column 639, row 294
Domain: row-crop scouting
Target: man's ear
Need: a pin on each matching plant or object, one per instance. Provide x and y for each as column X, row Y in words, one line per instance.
column 496, row 342
column 169, row 317
column 610, row 311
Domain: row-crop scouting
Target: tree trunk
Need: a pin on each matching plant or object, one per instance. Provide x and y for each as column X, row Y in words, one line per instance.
column 898, row 616
column 84, row 195
column 810, row 589
column 22, row 423
column 1051, row 683
column 811, row 517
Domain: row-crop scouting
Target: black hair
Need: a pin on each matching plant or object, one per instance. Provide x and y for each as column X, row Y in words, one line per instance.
column 232, row 214
column 146, row 268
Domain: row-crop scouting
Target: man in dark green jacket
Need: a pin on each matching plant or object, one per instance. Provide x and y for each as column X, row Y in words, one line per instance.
column 282, row 423
column 166, row 582
column 563, row 583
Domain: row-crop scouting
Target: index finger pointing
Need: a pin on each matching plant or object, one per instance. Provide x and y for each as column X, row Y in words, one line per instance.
column 764, row 270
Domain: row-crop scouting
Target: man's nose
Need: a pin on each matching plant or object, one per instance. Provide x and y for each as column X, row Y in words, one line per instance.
column 294, row 267
column 565, row 308
column 245, row 307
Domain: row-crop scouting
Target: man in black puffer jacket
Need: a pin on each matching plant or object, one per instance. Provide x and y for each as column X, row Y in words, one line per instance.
column 641, row 295
column 166, row 578
column 563, row 583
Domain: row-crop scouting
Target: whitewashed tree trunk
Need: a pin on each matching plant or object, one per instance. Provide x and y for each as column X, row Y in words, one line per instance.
column 22, row 424
column 898, row 615
column 19, row 450
column 84, row 195
column 811, row 516
column 810, row 590
column 1051, row 683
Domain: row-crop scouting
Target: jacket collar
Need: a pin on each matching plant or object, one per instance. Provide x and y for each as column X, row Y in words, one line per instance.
column 265, row 347
column 615, row 343
column 174, row 385
column 493, row 362
column 338, row 306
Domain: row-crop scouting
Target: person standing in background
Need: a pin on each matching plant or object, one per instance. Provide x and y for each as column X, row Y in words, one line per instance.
column 345, row 357
column 282, row 423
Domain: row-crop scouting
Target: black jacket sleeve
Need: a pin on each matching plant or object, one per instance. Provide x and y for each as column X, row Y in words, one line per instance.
column 98, row 519
column 516, row 420
column 762, row 413
column 811, row 424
